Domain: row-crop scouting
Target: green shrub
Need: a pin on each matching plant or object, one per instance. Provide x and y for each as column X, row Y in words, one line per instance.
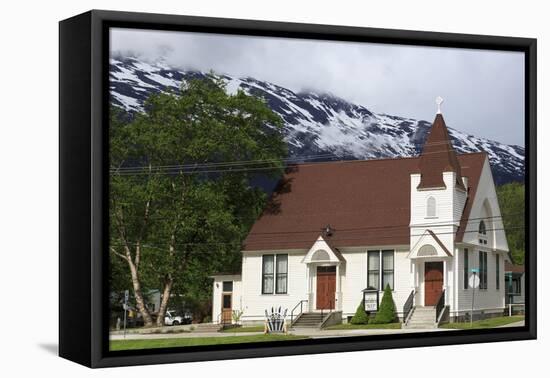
column 386, row 311
column 360, row 316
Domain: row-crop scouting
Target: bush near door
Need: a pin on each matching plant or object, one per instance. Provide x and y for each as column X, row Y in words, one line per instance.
column 386, row 312
column 360, row 316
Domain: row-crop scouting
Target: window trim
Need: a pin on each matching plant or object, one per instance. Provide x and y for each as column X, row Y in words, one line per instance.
column 392, row 251
column 264, row 274
column 482, row 233
column 223, row 286
column 369, row 270
column 275, row 275
column 431, row 201
column 483, row 284
column 380, row 270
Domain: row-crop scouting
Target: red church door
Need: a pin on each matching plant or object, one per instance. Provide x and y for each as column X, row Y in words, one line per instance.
column 433, row 282
column 326, row 287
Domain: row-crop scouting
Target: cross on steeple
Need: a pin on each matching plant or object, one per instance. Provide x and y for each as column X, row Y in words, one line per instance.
column 438, row 101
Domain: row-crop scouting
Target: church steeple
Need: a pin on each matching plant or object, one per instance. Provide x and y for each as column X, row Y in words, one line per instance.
column 438, row 156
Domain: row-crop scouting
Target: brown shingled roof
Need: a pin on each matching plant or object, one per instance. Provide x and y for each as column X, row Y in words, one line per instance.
column 366, row 202
column 438, row 156
column 509, row 267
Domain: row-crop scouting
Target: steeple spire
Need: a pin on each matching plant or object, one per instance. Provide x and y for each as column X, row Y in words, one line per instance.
column 438, row 155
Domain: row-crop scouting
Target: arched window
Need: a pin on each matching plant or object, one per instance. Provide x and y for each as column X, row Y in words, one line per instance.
column 320, row 255
column 482, row 229
column 430, row 207
column 427, row 250
column 482, row 233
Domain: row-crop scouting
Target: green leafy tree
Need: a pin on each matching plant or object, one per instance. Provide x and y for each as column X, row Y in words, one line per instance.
column 511, row 198
column 360, row 316
column 386, row 311
column 178, row 210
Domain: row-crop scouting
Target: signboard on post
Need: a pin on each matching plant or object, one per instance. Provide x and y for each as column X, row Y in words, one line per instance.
column 474, row 281
column 370, row 299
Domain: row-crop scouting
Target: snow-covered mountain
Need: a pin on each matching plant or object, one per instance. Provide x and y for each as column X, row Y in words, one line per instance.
column 315, row 123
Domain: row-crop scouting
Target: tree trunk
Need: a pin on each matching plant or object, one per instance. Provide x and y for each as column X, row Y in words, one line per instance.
column 147, row 320
column 164, row 301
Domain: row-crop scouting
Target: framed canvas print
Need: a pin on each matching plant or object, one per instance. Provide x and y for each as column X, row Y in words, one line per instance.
column 233, row 188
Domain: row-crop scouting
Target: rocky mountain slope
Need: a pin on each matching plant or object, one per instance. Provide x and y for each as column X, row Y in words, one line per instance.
column 316, row 123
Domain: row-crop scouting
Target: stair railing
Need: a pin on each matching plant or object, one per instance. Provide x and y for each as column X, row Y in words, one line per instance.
column 301, row 306
column 440, row 305
column 408, row 306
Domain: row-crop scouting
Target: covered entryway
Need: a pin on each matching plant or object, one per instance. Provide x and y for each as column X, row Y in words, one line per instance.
column 326, row 287
column 433, row 282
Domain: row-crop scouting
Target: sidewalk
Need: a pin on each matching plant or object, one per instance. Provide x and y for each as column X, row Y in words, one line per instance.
column 516, row 324
column 313, row 333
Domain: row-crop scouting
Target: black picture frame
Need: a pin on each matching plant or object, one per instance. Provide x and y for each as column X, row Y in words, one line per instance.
column 83, row 210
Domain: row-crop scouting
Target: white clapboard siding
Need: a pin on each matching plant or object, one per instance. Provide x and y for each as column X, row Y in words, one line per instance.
column 489, row 300
column 254, row 302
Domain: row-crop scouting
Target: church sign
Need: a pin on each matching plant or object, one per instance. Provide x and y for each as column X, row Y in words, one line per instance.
column 370, row 299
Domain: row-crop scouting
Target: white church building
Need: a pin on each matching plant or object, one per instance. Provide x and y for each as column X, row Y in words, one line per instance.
column 422, row 225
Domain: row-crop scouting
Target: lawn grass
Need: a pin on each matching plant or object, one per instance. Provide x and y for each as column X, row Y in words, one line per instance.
column 259, row 328
column 366, row 326
column 486, row 323
column 195, row 341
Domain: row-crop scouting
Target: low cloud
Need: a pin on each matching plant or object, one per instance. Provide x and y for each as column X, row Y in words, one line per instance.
column 483, row 89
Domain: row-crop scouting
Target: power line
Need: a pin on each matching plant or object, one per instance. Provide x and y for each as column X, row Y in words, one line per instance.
column 146, row 170
column 371, row 209
column 229, row 163
column 310, row 240
column 436, row 224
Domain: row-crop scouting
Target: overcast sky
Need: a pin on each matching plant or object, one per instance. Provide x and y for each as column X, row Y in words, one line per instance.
column 483, row 90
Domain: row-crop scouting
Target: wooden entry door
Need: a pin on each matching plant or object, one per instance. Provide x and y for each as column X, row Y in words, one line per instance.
column 433, row 282
column 226, row 308
column 326, row 287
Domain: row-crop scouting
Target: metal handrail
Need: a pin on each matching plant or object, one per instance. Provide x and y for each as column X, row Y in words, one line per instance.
column 295, row 307
column 331, row 307
column 408, row 306
column 440, row 305
column 221, row 320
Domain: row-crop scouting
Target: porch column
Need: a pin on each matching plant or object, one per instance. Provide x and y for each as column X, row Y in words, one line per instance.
column 445, row 280
column 308, row 287
column 338, row 295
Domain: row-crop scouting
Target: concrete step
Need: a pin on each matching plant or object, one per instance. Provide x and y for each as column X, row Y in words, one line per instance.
column 312, row 316
column 422, row 318
column 420, row 323
column 305, row 326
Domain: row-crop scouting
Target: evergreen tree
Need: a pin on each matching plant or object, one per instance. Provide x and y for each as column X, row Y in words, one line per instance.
column 511, row 199
column 360, row 316
column 386, row 311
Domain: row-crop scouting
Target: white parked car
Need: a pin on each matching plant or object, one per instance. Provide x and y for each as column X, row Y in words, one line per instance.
column 171, row 319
